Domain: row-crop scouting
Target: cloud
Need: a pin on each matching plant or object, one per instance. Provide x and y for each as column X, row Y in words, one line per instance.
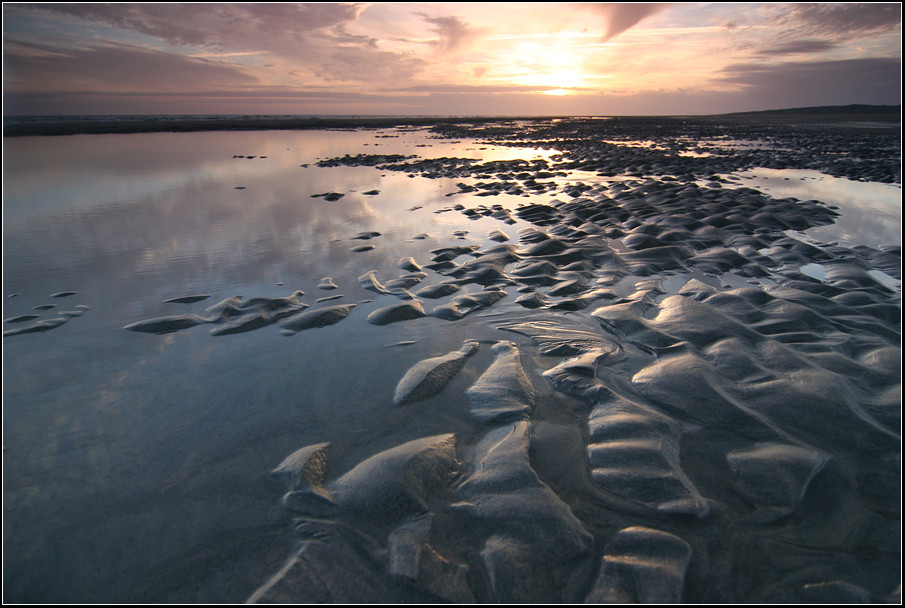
column 799, row 46
column 364, row 65
column 839, row 19
column 117, row 67
column 270, row 26
column 301, row 44
column 477, row 89
column 341, row 36
column 622, row 16
column 453, row 33
column 871, row 81
column 260, row 100
column 322, row 53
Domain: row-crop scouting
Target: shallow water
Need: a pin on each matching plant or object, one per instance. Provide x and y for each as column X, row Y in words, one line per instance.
column 871, row 212
column 135, row 465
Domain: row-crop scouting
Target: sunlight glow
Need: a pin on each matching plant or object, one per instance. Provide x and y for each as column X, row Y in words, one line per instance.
column 554, row 67
column 552, row 78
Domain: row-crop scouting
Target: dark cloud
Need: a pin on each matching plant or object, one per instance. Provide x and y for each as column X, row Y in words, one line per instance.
column 341, row 36
column 819, row 83
column 799, row 46
column 622, row 16
column 256, row 94
column 115, row 67
column 452, row 32
column 198, row 102
column 311, row 37
column 245, row 25
column 837, row 19
column 818, row 27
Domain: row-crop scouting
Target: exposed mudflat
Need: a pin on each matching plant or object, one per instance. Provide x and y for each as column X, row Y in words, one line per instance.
column 622, row 375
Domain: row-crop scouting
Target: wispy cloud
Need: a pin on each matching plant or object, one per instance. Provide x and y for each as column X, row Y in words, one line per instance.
column 472, row 89
column 837, row 19
column 216, row 25
column 799, row 46
column 355, row 64
column 300, row 44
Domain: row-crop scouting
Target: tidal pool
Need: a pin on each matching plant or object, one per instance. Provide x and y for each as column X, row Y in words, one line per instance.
column 871, row 213
column 136, row 465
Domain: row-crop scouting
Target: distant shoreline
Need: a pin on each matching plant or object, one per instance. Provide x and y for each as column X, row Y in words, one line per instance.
column 82, row 125
column 775, row 118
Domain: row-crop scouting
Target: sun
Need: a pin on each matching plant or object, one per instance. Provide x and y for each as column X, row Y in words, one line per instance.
column 556, row 70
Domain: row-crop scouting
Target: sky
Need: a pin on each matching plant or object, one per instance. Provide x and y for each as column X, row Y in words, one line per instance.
column 498, row 59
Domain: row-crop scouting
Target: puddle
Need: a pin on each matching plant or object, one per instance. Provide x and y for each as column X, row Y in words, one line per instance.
column 885, row 280
column 871, row 212
column 816, row 271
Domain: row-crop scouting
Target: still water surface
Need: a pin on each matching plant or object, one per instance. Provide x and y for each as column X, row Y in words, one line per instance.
column 135, row 466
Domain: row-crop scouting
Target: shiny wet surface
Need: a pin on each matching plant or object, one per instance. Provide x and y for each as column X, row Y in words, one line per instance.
column 135, row 465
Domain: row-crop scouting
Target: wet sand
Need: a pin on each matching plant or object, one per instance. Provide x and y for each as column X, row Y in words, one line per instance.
column 730, row 443
column 660, row 402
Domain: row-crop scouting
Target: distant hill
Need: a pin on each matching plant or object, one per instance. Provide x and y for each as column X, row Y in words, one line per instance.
column 860, row 109
column 853, row 115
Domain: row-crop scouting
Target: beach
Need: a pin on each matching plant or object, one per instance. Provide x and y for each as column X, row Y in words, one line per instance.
column 468, row 360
